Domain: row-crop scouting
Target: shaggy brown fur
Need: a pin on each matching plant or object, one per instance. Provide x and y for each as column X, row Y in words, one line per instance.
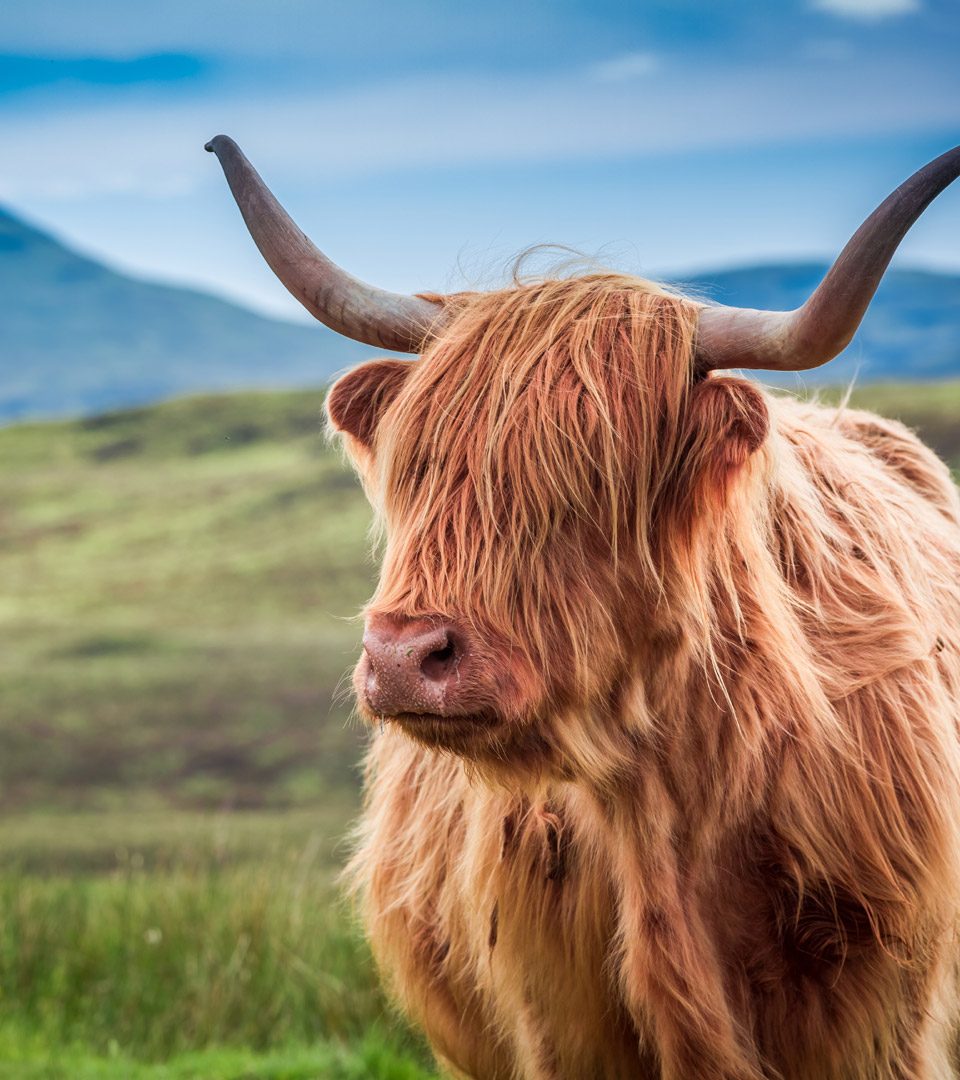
column 710, row 829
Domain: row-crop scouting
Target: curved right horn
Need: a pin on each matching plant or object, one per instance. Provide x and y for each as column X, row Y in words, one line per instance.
column 816, row 332
column 340, row 301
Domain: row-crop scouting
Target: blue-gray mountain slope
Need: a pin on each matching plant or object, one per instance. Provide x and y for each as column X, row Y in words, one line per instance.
column 79, row 338
column 911, row 331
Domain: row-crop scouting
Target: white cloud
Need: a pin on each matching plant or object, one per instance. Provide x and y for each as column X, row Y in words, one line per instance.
column 365, row 30
column 868, row 10
column 153, row 145
column 633, row 65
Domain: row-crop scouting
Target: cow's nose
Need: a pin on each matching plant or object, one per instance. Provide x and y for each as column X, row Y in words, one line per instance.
column 413, row 665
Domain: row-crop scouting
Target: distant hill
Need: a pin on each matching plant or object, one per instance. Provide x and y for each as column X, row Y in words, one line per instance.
column 79, row 338
column 911, row 332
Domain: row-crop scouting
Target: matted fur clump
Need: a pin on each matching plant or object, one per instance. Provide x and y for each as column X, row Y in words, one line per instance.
column 704, row 821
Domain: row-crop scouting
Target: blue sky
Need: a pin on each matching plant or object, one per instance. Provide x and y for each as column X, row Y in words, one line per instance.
column 422, row 144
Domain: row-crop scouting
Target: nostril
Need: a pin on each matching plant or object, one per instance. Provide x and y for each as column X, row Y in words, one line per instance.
column 438, row 664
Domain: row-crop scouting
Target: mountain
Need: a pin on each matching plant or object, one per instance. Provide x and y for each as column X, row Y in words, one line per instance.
column 911, row 331
column 79, row 338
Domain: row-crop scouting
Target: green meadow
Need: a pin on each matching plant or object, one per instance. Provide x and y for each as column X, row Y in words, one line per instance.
column 177, row 768
column 186, row 944
column 178, row 762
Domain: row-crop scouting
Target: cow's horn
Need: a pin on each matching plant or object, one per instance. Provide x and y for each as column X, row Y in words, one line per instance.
column 351, row 307
column 815, row 333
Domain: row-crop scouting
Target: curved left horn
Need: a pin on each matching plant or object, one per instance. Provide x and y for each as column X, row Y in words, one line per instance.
column 816, row 332
column 342, row 302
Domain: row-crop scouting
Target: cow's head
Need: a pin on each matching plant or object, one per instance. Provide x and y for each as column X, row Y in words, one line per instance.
column 524, row 469
column 535, row 469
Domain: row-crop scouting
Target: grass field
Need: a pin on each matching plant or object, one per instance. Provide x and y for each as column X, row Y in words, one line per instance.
column 177, row 944
column 176, row 772
column 177, row 588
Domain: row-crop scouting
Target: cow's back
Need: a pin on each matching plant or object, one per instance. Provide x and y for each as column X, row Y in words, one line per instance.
column 904, row 454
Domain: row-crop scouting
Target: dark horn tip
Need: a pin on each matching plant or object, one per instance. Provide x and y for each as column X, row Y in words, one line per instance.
column 217, row 142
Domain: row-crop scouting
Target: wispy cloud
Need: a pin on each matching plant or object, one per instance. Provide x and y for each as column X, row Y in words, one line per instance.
column 380, row 105
column 364, row 31
column 450, row 120
column 23, row 72
column 868, row 10
column 632, row 65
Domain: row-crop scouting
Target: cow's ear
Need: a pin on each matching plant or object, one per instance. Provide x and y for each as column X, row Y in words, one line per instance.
column 357, row 400
column 727, row 422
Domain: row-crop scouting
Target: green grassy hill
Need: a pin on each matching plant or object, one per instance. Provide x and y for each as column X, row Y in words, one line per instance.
column 177, row 587
column 175, row 591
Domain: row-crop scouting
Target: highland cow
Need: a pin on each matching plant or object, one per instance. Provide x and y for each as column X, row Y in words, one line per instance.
column 663, row 674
